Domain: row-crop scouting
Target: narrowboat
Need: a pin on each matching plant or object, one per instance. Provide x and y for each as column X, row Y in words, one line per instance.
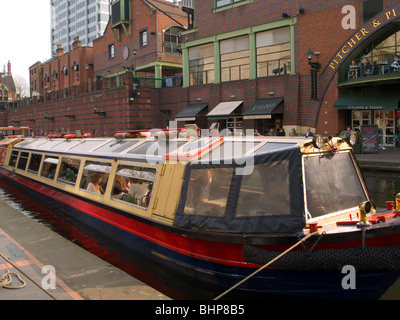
column 220, row 208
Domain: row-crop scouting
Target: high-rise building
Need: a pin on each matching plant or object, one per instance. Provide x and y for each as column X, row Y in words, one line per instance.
column 86, row 19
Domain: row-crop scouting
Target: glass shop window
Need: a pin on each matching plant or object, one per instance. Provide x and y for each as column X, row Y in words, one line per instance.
column 49, row 167
column 23, row 160
column 208, row 191
column 134, row 184
column 13, row 158
column 95, row 176
column 69, row 170
column 34, row 163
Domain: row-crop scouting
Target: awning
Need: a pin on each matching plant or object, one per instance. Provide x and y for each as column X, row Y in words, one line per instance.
column 224, row 109
column 190, row 112
column 369, row 98
column 264, row 108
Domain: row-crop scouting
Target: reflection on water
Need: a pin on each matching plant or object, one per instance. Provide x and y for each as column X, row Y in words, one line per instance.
column 383, row 186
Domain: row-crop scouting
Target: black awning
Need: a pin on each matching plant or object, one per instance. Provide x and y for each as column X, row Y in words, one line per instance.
column 264, row 108
column 190, row 112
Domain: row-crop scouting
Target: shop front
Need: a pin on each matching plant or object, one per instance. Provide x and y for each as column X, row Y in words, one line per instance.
column 373, row 105
column 227, row 115
column 267, row 114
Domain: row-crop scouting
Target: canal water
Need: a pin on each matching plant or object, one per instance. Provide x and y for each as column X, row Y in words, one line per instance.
column 383, row 186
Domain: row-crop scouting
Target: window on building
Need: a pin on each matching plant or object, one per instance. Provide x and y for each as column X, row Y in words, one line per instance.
column 201, row 64
column 143, row 38
column 235, row 59
column 111, row 51
column 371, row 8
column 273, row 52
column 172, row 40
column 222, row 3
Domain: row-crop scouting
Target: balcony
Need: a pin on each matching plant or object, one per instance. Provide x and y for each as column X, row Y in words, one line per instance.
column 376, row 71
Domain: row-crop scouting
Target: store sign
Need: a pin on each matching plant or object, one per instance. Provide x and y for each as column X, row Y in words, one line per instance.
column 363, row 33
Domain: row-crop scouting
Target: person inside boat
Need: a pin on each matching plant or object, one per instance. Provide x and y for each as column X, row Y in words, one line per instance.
column 121, row 186
column 94, row 185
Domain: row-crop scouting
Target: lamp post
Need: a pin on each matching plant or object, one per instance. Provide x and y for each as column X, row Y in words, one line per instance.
column 315, row 66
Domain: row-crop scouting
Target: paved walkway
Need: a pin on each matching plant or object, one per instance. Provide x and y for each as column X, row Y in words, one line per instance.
column 27, row 247
column 386, row 159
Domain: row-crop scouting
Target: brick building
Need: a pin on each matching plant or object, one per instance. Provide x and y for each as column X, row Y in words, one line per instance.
column 245, row 64
column 7, row 88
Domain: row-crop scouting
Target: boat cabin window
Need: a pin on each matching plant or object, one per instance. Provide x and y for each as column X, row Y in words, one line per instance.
column 265, row 191
column 330, row 191
column 13, row 158
column 95, row 176
column 87, row 145
column 229, row 150
column 34, row 163
column 116, row 146
column 157, row 148
column 69, row 170
column 208, row 191
column 49, row 167
column 23, row 160
column 134, row 184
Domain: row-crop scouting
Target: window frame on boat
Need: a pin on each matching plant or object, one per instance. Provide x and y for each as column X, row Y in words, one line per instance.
column 62, row 173
column 23, row 159
column 52, row 162
column 32, row 157
column 85, row 180
column 12, row 162
column 134, row 166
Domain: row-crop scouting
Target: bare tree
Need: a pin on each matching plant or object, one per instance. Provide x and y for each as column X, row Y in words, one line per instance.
column 21, row 87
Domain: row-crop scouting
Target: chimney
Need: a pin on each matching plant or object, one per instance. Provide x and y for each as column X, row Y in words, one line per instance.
column 60, row 50
column 9, row 67
column 76, row 43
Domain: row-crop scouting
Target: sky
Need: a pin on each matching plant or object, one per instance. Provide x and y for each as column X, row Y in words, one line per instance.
column 26, row 37
column 27, row 34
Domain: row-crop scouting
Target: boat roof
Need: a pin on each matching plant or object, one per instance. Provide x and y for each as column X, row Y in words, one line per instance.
column 159, row 150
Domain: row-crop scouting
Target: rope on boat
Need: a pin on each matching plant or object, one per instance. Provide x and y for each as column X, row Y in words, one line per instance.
column 7, row 279
column 265, row 265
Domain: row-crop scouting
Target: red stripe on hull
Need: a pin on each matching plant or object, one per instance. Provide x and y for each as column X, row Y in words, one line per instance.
column 217, row 252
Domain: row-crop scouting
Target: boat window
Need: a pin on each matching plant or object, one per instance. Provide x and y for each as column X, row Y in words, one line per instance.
column 329, row 192
column 69, row 170
column 49, row 167
column 49, row 144
column 13, row 158
column 116, row 146
column 87, row 145
column 34, row 163
column 95, row 176
column 65, row 145
column 23, row 160
column 157, row 148
column 230, row 149
column 266, row 191
column 208, row 191
column 274, row 146
column 134, row 184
